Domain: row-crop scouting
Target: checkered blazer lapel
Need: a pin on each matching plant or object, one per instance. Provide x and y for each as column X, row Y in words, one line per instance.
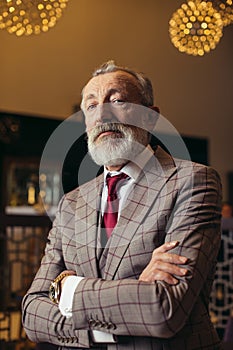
column 143, row 198
column 86, row 225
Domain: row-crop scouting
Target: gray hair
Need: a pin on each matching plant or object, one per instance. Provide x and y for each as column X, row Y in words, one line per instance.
column 145, row 85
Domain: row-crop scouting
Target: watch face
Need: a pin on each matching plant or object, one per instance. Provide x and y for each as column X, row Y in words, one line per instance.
column 53, row 292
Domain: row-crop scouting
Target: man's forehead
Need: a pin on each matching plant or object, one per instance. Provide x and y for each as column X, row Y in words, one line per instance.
column 117, row 81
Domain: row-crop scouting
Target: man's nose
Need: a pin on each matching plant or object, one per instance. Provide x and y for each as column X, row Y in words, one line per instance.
column 104, row 113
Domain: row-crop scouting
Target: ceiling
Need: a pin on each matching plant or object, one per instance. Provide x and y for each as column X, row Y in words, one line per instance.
column 44, row 74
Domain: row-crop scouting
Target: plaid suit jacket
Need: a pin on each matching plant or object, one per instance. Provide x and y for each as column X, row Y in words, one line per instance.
column 172, row 200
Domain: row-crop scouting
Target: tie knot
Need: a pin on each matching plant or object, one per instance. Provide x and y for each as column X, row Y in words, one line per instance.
column 112, row 182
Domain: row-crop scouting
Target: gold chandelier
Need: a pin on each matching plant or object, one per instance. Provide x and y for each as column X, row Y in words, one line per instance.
column 225, row 8
column 26, row 17
column 196, row 27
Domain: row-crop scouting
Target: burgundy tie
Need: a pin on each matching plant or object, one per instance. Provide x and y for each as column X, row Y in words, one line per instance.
column 111, row 212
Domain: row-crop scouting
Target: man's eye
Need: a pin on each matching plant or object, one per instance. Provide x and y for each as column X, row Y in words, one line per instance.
column 118, row 102
column 91, row 107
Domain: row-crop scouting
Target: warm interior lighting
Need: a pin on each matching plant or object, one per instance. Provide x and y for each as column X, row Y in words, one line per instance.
column 196, row 27
column 225, row 8
column 26, row 17
column 31, row 195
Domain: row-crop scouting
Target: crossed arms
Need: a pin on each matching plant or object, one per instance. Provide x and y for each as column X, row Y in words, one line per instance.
column 160, row 301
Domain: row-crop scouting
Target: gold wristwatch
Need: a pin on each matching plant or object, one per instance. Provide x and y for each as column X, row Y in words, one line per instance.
column 55, row 288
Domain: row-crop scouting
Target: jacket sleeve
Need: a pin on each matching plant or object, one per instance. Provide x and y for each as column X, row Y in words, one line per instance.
column 132, row 307
column 41, row 318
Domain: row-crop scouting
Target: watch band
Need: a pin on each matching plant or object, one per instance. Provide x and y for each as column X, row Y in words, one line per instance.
column 55, row 287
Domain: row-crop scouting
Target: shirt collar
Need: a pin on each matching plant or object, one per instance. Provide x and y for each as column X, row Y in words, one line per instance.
column 133, row 168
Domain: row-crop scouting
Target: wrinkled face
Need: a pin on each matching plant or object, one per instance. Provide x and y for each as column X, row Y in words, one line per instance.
column 115, row 90
column 114, row 125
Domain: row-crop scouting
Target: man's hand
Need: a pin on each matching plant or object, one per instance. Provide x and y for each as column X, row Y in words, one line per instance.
column 164, row 266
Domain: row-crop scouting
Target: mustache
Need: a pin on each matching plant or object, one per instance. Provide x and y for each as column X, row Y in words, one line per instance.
column 99, row 129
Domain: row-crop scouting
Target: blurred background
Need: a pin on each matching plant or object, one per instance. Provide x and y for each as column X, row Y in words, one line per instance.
column 41, row 78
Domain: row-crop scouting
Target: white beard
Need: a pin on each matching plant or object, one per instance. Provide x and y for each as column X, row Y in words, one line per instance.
column 117, row 149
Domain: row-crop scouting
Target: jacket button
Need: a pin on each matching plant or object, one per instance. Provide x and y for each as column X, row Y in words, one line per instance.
column 92, row 322
column 98, row 323
column 111, row 326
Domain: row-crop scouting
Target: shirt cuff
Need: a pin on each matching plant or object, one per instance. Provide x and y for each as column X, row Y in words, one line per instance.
column 65, row 307
column 67, row 295
column 102, row 337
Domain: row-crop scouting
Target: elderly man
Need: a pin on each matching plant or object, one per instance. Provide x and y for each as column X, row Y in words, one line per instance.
column 131, row 257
